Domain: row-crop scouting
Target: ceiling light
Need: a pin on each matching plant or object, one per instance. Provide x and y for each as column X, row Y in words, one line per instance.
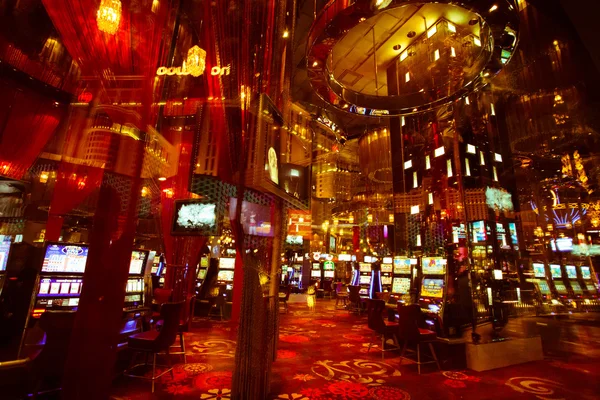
column 432, row 31
column 315, row 64
column 403, row 55
column 451, row 27
column 476, row 41
column 286, row 34
column 363, row 19
column 162, row 179
column 397, row 47
column 493, row 8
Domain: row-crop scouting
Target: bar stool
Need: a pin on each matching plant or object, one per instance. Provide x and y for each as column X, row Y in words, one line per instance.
column 341, row 295
column 379, row 326
column 410, row 318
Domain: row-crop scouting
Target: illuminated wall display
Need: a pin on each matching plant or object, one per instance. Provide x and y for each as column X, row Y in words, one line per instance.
column 182, row 71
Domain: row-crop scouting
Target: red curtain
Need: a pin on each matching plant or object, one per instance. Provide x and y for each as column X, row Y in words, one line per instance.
column 27, row 122
column 74, row 183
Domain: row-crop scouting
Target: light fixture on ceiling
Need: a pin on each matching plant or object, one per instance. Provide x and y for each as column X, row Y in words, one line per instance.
column 315, row 63
column 493, row 8
column 397, row 47
column 109, row 16
column 411, row 34
column 286, row 34
column 162, row 179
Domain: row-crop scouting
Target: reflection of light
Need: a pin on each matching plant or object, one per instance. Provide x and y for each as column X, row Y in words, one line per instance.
column 314, row 64
column 108, row 16
column 432, row 31
column 451, row 27
column 162, row 179
column 493, row 8
column 286, row 34
column 452, row 52
column 476, row 42
column 407, row 77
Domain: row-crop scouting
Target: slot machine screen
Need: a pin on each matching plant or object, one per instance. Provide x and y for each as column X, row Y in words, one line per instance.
column 329, row 265
column 365, row 267
column 387, row 260
column 329, row 274
column 434, row 266
column 432, row 288
column 315, row 273
column 543, row 287
column 555, row 271
column 344, row 257
column 403, row 265
column 4, row 250
column 204, row 262
column 560, row 287
column 386, row 268
column 585, row 273
column 65, row 258
column 227, row 263
column 401, row 285
column 316, row 266
column 201, row 273
column 386, row 280
column 576, row 288
column 571, row 272
column 365, row 279
column 225, row 275
column 539, row 270
column 138, row 260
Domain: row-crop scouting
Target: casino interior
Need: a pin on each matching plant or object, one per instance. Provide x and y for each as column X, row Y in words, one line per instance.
column 288, row 199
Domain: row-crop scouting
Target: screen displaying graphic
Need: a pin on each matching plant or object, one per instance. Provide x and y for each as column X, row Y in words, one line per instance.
column 386, row 267
column 543, row 287
column 585, row 273
column 401, row 285
column 458, row 232
column 201, row 273
column 227, row 263
column 502, row 236
column 404, row 265
column 563, row 244
column 365, row 279
column 432, row 288
column 555, row 271
column 329, row 274
column 479, row 232
column 225, row 275
column 434, row 266
column 387, row 260
column 65, row 258
column 560, row 287
column 332, row 243
column 512, row 229
column 364, row 267
column 345, row 257
column 138, row 260
column 194, row 217
column 576, row 288
column 256, row 219
column 329, row 265
column 316, row 266
column 63, row 287
column 135, row 285
column 315, row 273
column 386, row 280
column 571, row 272
column 539, row 270
column 4, row 250
column 204, row 262
column 294, row 240
column 273, row 165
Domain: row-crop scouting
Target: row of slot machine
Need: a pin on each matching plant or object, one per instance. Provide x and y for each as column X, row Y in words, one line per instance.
column 565, row 284
column 225, row 273
column 323, row 270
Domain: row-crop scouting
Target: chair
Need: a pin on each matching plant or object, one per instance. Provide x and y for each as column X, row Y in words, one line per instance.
column 327, row 289
column 20, row 377
column 409, row 330
column 356, row 302
column 217, row 301
column 341, row 294
column 155, row 342
column 379, row 326
column 284, row 297
column 185, row 324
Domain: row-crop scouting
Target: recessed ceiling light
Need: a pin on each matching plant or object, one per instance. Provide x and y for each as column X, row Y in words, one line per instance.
column 474, row 21
column 397, row 47
column 411, row 34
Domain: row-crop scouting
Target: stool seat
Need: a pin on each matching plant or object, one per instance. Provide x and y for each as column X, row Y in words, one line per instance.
column 426, row 334
column 144, row 341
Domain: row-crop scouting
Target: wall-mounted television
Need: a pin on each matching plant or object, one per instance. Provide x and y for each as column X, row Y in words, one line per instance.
column 65, row 258
column 563, row 244
column 194, row 217
column 294, row 240
column 256, row 219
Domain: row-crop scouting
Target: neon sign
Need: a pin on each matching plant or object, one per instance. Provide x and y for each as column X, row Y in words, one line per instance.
column 182, row 71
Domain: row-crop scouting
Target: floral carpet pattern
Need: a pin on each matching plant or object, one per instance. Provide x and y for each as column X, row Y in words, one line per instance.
column 324, row 355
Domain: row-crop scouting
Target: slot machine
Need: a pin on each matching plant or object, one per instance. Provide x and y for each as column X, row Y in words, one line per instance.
column 202, row 268
column 329, row 270
column 540, row 282
column 296, row 276
column 576, row 290
column 355, row 281
column 5, row 242
column 589, row 287
column 365, row 276
column 387, row 270
column 557, row 279
column 315, row 272
column 226, row 273
column 136, row 305
column 402, row 281
column 433, row 287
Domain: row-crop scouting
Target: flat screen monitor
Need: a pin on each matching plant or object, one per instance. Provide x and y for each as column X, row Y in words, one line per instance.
column 432, row 288
column 386, row 268
column 539, row 270
column 404, row 265
column 365, row 279
column 401, row 285
column 4, row 250
column 328, row 274
column 65, row 258
column 434, row 266
column 256, row 219
column 576, row 288
column 571, row 272
column 315, row 273
column 225, row 275
column 560, row 287
column 585, row 273
column 201, row 273
column 227, row 263
column 138, row 261
column 543, row 286
column 194, row 217
column 364, row 267
column 555, row 271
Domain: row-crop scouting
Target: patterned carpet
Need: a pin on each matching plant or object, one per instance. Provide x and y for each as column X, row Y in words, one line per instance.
column 324, row 355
